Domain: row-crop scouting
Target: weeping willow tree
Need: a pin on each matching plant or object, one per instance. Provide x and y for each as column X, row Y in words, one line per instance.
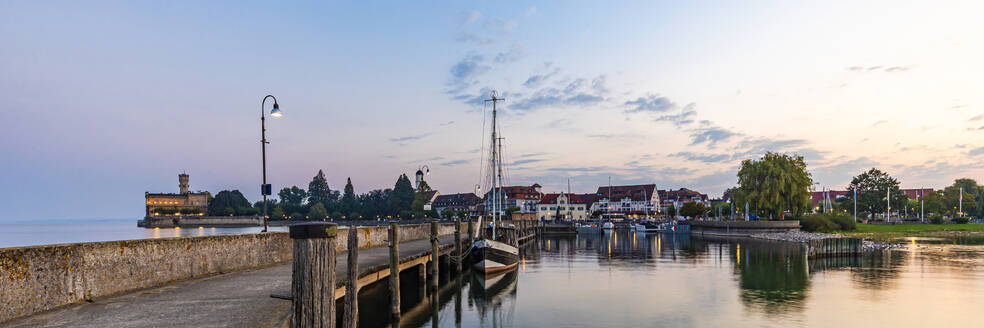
column 774, row 184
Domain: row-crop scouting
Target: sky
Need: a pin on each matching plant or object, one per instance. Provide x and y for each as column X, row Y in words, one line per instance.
column 104, row 100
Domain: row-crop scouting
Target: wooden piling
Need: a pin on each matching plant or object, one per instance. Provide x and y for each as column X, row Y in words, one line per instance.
column 471, row 232
column 435, row 261
column 456, row 264
column 422, row 275
column 394, row 286
column 313, row 276
column 351, row 319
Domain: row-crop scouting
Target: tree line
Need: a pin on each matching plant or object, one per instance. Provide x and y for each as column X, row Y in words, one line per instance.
column 777, row 184
column 320, row 202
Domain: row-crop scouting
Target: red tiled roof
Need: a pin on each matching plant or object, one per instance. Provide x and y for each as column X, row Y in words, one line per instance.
column 635, row 192
column 552, row 199
column 519, row 192
column 682, row 193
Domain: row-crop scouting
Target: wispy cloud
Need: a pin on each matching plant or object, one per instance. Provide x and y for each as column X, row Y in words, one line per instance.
column 578, row 169
column 879, row 123
column 455, row 162
column 464, row 72
column 474, row 38
column 706, row 158
column 684, row 117
column 525, row 161
column 976, row 151
column 501, row 25
column 514, row 53
column 650, row 103
column 410, row 138
column 528, row 155
column 580, row 92
column 471, row 17
column 559, row 123
column 536, row 80
column 711, row 136
column 886, row 69
column 957, row 107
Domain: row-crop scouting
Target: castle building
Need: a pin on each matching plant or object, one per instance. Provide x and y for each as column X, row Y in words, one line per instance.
column 183, row 203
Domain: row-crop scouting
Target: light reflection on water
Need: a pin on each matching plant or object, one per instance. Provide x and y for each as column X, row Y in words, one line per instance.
column 20, row 234
column 659, row 280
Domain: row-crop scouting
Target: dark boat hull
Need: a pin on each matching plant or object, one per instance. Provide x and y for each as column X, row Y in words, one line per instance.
column 489, row 256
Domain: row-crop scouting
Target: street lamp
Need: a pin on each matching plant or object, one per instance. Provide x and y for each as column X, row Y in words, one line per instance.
column 265, row 189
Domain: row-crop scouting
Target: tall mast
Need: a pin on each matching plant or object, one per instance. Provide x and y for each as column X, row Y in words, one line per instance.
column 569, row 198
column 496, row 164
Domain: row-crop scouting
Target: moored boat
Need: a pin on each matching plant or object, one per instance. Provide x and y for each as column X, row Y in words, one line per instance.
column 491, row 256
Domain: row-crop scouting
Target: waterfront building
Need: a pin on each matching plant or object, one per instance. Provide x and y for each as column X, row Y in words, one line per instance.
column 524, row 197
column 183, row 202
column 562, row 206
column 681, row 196
column 457, row 202
column 628, row 200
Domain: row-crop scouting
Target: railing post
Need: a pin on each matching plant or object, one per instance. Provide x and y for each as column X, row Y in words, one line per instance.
column 394, row 285
column 313, row 277
column 351, row 319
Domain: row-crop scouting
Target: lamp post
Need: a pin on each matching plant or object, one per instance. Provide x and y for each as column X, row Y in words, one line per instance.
column 265, row 188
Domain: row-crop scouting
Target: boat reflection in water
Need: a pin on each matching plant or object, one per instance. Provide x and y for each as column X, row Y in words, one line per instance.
column 494, row 297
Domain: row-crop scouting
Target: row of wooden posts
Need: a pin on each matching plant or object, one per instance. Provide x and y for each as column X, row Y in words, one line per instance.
column 313, row 281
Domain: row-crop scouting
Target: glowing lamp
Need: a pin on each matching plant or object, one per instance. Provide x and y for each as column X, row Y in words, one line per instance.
column 276, row 111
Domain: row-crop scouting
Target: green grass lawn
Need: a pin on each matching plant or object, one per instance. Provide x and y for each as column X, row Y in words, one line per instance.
column 892, row 232
column 919, row 227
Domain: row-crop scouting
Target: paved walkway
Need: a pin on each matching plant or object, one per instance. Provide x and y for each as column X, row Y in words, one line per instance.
column 237, row 299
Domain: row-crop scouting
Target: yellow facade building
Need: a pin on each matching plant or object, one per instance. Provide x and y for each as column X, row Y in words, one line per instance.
column 183, row 203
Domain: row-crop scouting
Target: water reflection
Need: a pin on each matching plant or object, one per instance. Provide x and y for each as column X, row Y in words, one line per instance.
column 625, row 279
column 494, row 298
column 774, row 277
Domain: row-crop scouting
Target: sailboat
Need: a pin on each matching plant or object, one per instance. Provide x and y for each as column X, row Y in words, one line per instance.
column 488, row 254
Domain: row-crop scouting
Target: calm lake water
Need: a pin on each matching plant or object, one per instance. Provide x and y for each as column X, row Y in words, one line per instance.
column 630, row 279
column 77, row 231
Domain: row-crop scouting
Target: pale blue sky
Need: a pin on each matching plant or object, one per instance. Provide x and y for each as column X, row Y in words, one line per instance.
column 105, row 100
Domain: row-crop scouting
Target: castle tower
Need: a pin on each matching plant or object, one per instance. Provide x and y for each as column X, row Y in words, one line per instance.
column 183, row 183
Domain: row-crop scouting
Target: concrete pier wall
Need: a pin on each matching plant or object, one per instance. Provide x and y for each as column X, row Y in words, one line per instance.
column 200, row 221
column 39, row 278
column 740, row 228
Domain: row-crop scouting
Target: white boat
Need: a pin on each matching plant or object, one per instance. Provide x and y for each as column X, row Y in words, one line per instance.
column 608, row 226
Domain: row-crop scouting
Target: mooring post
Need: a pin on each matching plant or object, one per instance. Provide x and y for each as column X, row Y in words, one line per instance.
column 394, row 263
column 456, row 264
column 471, row 232
column 351, row 319
column 435, row 261
column 313, row 277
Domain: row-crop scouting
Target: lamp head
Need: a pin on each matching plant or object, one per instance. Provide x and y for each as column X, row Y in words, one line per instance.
column 276, row 111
